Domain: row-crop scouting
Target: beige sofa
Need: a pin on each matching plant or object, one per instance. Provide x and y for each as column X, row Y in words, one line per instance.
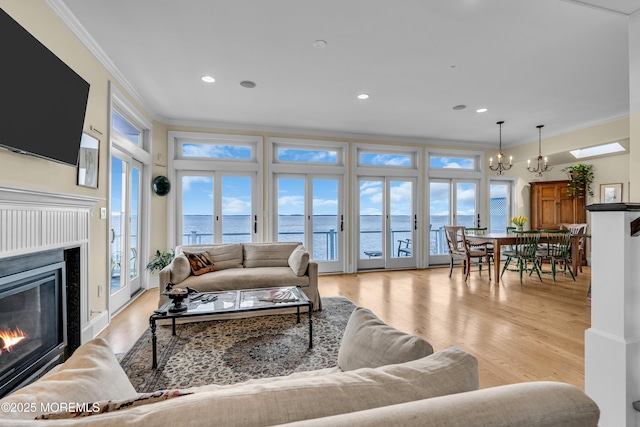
column 245, row 266
column 421, row 389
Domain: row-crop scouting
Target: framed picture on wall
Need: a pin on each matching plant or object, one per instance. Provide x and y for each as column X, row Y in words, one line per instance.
column 88, row 161
column 611, row 193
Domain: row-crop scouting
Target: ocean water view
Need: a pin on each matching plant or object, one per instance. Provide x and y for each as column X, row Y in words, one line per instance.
column 198, row 229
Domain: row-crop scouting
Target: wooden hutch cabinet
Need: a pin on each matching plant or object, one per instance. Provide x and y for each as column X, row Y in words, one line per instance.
column 551, row 205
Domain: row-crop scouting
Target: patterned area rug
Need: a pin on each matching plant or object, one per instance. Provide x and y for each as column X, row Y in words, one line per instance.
column 231, row 351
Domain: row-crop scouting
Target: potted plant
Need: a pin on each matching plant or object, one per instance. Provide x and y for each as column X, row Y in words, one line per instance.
column 160, row 260
column 580, row 179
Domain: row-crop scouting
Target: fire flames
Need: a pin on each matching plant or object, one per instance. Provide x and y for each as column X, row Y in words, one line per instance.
column 10, row 338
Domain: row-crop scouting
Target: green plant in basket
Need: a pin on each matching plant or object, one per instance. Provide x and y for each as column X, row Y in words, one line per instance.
column 580, row 180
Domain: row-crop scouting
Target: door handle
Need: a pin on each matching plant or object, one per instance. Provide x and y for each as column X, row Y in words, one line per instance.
column 113, row 235
column 341, row 222
column 415, row 222
column 255, row 224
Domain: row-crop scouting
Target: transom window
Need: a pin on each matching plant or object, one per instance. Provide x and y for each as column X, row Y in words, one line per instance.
column 212, row 150
column 448, row 162
column 303, row 155
column 123, row 126
column 368, row 158
column 215, row 199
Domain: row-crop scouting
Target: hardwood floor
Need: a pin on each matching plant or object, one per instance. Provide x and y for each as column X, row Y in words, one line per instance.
column 529, row 332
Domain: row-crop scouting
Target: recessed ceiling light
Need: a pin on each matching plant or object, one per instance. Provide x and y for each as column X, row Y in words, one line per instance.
column 597, row 150
column 248, row 84
column 319, row 44
column 363, row 96
column 481, row 110
column 208, row 79
column 460, row 107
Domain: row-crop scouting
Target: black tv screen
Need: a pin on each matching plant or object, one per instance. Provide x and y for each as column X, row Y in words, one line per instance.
column 42, row 100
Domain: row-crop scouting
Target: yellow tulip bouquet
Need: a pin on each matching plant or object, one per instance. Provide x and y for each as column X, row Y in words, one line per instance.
column 519, row 221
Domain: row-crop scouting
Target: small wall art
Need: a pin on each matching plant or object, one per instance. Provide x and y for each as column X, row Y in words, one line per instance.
column 88, row 161
column 611, row 193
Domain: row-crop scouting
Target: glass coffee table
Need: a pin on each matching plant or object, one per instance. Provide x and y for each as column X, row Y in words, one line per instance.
column 227, row 302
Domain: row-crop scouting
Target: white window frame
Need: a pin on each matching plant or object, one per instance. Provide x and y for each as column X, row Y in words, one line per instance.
column 477, row 174
column 414, row 171
column 178, row 166
column 142, row 153
column 316, row 170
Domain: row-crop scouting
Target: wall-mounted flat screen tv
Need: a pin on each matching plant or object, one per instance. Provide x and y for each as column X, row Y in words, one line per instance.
column 42, row 100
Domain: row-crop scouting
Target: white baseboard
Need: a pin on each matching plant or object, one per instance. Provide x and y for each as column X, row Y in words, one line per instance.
column 95, row 326
column 153, row 281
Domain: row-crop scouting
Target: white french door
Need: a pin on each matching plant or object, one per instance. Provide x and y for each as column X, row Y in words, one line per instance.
column 309, row 210
column 217, row 207
column 387, row 223
column 451, row 202
column 125, row 217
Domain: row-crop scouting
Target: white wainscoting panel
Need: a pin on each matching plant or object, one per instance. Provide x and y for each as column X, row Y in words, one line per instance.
column 34, row 221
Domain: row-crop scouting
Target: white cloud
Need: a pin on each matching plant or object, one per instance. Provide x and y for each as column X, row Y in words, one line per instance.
column 325, row 202
column 233, row 206
column 188, row 180
column 291, row 201
column 402, row 192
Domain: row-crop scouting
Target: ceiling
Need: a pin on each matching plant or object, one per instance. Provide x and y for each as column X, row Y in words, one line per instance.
column 561, row 63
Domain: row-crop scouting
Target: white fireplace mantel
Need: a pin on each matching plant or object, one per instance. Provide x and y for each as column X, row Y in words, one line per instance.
column 35, row 220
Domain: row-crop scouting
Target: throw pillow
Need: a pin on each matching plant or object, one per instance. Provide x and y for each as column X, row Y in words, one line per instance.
column 299, row 260
column 91, row 374
column 200, row 262
column 115, row 405
column 368, row 342
column 180, row 269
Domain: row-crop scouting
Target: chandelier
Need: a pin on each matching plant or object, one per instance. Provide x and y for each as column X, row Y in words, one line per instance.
column 543, row 165
column 500, row 167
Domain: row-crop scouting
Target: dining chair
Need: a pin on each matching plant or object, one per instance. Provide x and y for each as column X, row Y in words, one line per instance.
column 556, row 250
column 461, row 250
column 475, row 231
column 580, row 228
column 524, row 253
column 479, row 231
column 510, row 230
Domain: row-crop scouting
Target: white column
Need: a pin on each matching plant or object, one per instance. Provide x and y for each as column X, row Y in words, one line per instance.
column 612, row 344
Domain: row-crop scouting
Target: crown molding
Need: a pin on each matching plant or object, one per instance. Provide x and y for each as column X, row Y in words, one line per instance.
column 601, row 8
column 70, row 20
column 308, row 132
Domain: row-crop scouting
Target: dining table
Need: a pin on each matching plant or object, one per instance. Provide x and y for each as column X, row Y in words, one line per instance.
column 501, row 239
